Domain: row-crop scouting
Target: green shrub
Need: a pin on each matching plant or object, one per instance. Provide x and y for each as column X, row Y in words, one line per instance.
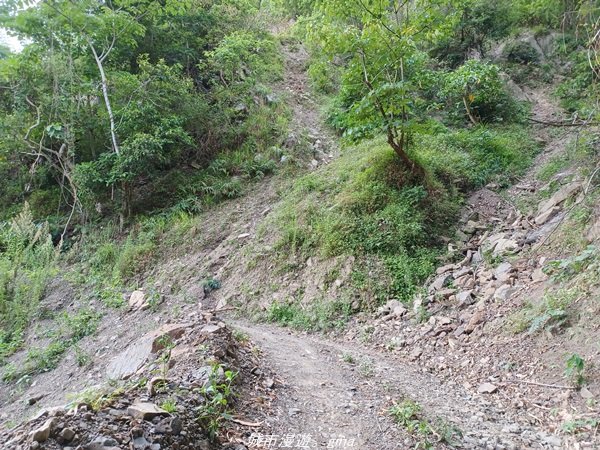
column 475, row 90
column 27, row 259
column 469, row 159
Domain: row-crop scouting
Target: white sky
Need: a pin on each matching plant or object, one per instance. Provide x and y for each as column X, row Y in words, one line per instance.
column 12, row 42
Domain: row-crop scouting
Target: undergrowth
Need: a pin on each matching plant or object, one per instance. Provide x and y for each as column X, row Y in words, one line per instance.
column 363, row 204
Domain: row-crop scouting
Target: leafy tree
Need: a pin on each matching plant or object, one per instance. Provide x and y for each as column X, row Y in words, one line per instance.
column 385, row 70
column 477, row 89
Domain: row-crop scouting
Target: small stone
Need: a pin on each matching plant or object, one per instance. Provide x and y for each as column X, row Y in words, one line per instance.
column 145, row 411
column 440, row 282
column 67, row 434
column 503, row 272
column 294, row 412
column 34, row 399
column 465, row 298
column 585, row 393
column 137, row 300
column 538, row 276
column 42, row 433
column 176, row 425
column 487, row 388
column 243, row 235
column 560, row 196
column 416, row 353
column 504, row 292
column 477, row 318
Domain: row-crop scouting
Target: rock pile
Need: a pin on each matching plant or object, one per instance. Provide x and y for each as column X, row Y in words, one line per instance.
column 158, row 408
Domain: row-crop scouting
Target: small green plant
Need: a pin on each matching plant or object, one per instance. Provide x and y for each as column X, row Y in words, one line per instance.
column 565, row 269
column 348, row 358
column 210, row 285
column 366, row 368
column 165, row 344
column 408, row 415
column 169, row 405
column 575, row 368
column 82, row 358
column 580, row 425
column 218, row 395
column 96, row 398
column 241, row 337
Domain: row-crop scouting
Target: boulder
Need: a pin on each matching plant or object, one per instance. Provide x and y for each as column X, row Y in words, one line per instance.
column 130, row 360
column 137, row 300
column 565, row 192
column 503, row 272
column 42, row 434
column 547, row 215
column 145, row 411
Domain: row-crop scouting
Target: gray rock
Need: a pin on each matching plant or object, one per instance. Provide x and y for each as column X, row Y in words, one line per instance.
column 42, row 433
column 504, row 292
column 544, row 217
column 137, row 300
column 487, row 388
column 145, row 411
column 503, row 272
column 67, row 434
column 465, row 298
column 440, row 282
column 560, row 196
column 594, row 231
column 538, row 276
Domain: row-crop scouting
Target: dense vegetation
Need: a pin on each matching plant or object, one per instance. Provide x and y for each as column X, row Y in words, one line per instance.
column 122, row 119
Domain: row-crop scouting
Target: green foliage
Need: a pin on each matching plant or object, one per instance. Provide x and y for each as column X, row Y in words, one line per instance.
column 565, row 269
column 27, row 259
column 218, row 394
column 361, row 205
column 575, row 368
column 472, row 158
column 71, row 329
column 169, row 405
column 184, row 80
column 552, row 313
column 408, row 415
column 476, row 90
column 318, row 316
column 521, row 52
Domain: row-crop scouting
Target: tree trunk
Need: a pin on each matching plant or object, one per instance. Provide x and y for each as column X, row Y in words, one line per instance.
column 399, row 147
column 111, row 118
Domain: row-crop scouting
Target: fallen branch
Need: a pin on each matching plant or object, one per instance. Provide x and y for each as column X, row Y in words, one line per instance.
column 533, row 383
column 564, row 123
column 246, row 423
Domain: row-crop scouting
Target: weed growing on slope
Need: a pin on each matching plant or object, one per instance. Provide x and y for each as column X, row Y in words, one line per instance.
column 72, row 328
column 318, row 316
column 364, row 205
column 574, row 369
column 27, row 263
column 218, row 395
column 408, row 415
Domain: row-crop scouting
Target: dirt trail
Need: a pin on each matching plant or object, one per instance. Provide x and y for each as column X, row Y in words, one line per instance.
column 326, row 396
column 337, row 390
